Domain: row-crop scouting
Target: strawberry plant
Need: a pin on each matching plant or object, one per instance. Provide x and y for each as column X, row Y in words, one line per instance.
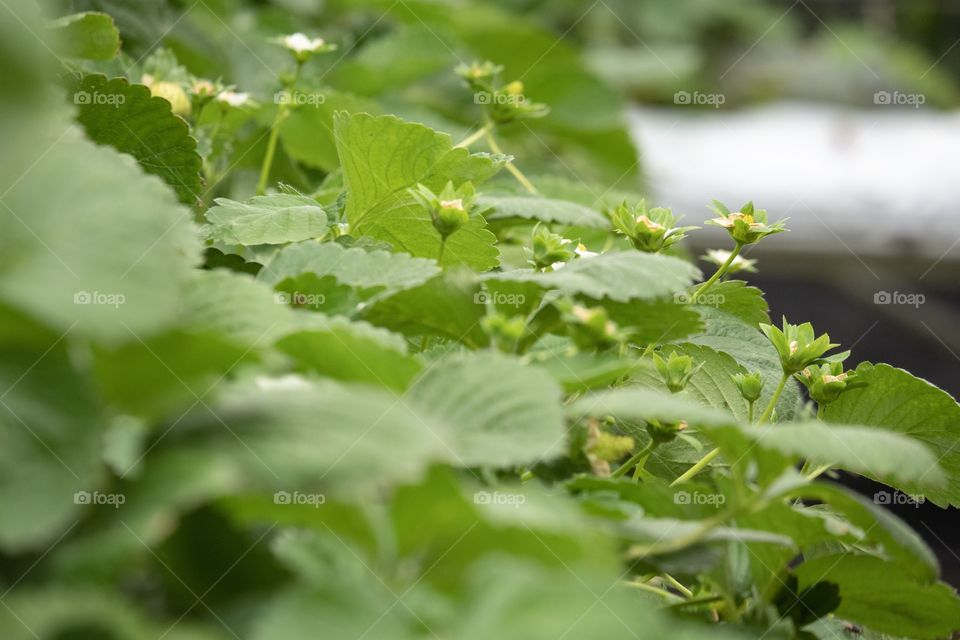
column 280, row 363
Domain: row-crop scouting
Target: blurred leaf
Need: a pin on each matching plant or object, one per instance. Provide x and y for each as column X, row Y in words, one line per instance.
column 497, row 411
column 540, row 209
column 105, row 253
column 619, row 275
column 307, row 132
column 50, row 430
column 450, row 305
column 375, row 270
column 88, row 35
column 353, row 352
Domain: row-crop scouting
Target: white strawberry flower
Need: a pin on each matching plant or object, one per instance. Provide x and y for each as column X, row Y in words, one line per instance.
column 301, row 43
column 233, row 98
column 582, row 252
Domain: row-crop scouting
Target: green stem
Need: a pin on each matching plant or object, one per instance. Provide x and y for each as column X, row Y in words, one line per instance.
column 476, row 135
column 271, row 150
column 716, row 276
column 652, row 589
column 773, row 401
column 750, row 412
column 816, row 473
column 677, row 585
column 635, row 459
column 696, row 601
column 512, row 168
column 697, row 468
column 282, row 112
column 807, row 468
column 443, row 246
column 681, row 542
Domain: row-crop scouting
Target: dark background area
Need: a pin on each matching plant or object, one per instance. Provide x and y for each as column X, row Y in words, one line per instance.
column 875, row 336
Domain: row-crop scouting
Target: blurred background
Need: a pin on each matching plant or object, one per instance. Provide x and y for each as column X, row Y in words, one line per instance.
column 839, row 114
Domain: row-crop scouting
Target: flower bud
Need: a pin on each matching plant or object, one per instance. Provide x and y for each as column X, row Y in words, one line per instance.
column 610, row 447
column 676, row 370
column 648, row 230
column 202, row 88
column 506, row 331
column 662, row 432
column 747, row 226
column 798, row 347
column 480, row 76
column 826, row 382
column 174, row 94
column 550, row 249
column 749, row 384
column 591, row 328
column 450, row 209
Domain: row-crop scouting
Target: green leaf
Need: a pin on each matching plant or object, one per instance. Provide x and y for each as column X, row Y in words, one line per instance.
column 375, row 270
column 81, row 612
column 878, row 453
column 739, row 299
column 105, row 253
column 392, row 62
column 496, row 411
column 883, row 596
column 353, row 352
column 898, row 401
column 126, row 117
column 274, row 219
column 875, row 527
column 177, row 367
column 651, row 321
column 618, row 275
column 289, row 435
column 50, row 430
column 749, row 347
column 90, row 35
column 450, row 305
column 237, row 306
column 540, row 209
column 382, row 158
column 580, row 371
column 307, row 132
column 638, row 403
column 518, row 600
column 712, row 384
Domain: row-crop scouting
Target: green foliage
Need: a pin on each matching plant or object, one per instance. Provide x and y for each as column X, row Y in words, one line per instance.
column 384, row 157
column 275, row 219
column 361, row 411
column 91, row 35
column 127, row 117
